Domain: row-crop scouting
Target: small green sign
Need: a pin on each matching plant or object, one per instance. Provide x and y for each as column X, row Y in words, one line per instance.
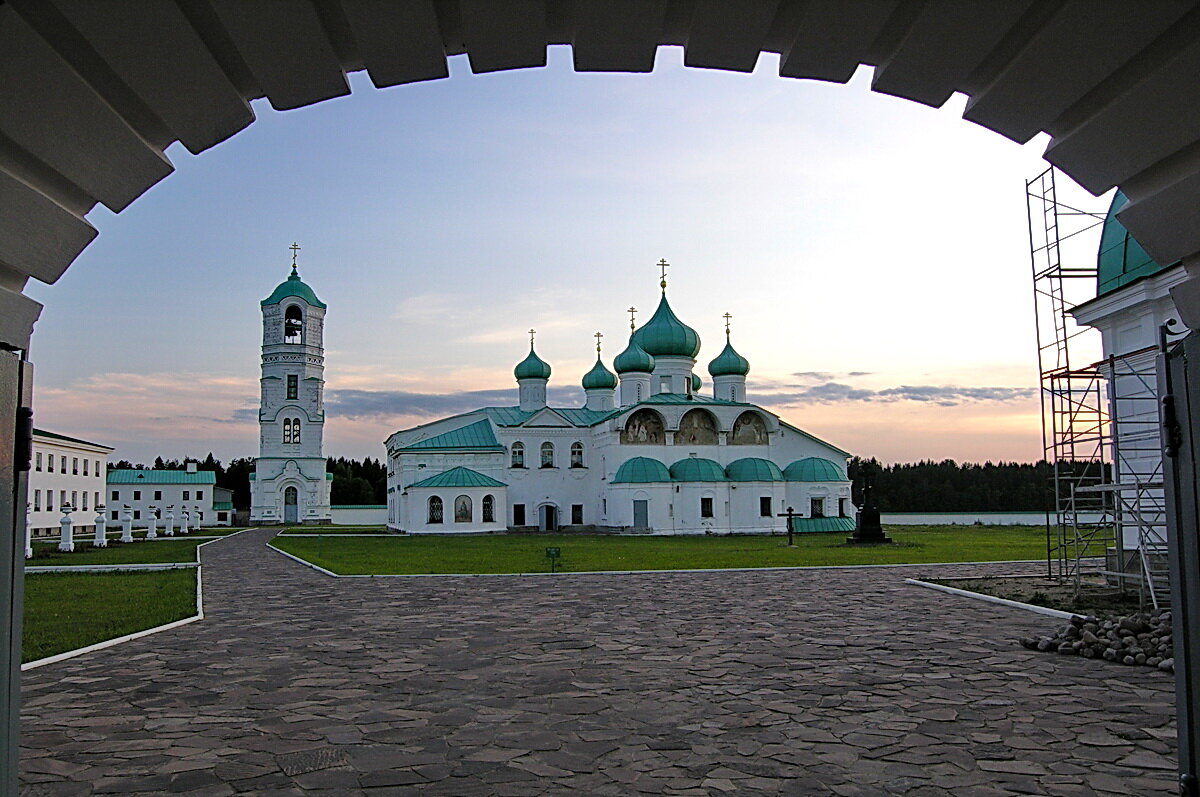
column 553, row 553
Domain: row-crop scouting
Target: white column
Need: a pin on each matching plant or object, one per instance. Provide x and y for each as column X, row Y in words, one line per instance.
column 169, row 531
column 28, row 531
column 152, row 529
column 65, row 542
column 183, row 521
column 101, row 527
column 127, row 524
column 196, row 516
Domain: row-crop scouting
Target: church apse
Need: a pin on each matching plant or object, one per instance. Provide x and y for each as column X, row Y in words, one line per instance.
column 644, row 428
column 749, row 430
column 697, row 427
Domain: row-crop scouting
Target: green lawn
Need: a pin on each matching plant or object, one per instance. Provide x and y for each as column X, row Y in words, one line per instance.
column 65, row 611
column 581, row 553
column 181, row 550
column 334, row 530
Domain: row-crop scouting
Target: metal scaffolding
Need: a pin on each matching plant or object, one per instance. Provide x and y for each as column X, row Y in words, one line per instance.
column 1100, row 417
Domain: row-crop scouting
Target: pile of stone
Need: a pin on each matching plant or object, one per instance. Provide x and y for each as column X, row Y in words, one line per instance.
column 1136, row 639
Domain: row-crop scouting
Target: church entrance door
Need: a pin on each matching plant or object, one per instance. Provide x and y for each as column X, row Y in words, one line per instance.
column 641, row 514
column 291, row 508
column 549, row 518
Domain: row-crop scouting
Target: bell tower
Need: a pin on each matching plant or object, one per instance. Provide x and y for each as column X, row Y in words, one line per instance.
column 289, row 483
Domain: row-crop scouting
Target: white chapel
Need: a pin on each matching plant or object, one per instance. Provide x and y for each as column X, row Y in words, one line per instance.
column 649, row 451
column 289, row 483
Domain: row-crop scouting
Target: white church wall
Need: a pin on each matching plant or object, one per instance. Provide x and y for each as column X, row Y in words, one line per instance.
column 65, row 471
column 419, row 519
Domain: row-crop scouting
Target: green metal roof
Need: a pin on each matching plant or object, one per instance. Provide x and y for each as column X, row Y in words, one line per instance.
column 820, row 524
column 1121, row 259
column 697, row 469
column 459, row 477
column 56, row 436
column 664, row 335
column 682, row 398
column 477, row 436
column 599, row 378
column 814, row 469
column 634, row 359
column 532, row 367
column 753, row 469
column 223, row 506
column 359, row 506
column 729, row 362
column 641, row 470
column 150, row 476
column 293, row 286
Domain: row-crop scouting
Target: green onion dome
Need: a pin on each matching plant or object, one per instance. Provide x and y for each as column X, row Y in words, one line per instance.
column 753, row 469
column 814, row 469
column 696, row 383
column 599, row 377
column 697, row 469
column 664, row 335
column 532, row 367
column 1121, row 259
column 633, row 360
column 293, row 286
column 729, row 363
column 641, row 470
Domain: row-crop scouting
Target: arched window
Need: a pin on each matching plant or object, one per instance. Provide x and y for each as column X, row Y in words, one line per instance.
column 547, row 455
column 287, row 430
column 489, row 509
column 518, row 455
column 576, row 455
column 435, row 509
column 293, row 325
column 295, row 430
column 462, row 509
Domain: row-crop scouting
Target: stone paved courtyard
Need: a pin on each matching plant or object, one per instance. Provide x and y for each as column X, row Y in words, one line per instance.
column 783, row 682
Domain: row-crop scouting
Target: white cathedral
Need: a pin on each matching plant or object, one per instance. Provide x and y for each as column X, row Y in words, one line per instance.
column 289, row 483
column 646, row 453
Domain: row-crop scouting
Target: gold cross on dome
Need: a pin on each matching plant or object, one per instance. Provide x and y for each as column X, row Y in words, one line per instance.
column 531, row 338
column 663, row 264
column 632, row 315
column 727, row 316
column 598, row 336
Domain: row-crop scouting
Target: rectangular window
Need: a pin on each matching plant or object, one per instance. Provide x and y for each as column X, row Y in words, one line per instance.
column 37, row 500
column 49, row 500
column 114, row 514
column 64, row 463
column 577, row 514
column 62, row 498
column 518, row 514
column 96, row 502
column 38, row 460
column 97, row 467
column 199, row 495
column 706, row 507
column 85, row 503
column 74, row 466
column 116, row 495
column 75, row 498
column 50, row 463
column 137, row 514
column 158, row 495
column 764, row 506
column 222, row 516
column 85, row 464
column 818, row 507
column 842, row 507
column 185, row 495
column 664, row 384
column 137, row 495
column 293, row 386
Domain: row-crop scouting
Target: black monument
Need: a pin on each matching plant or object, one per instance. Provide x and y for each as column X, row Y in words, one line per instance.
column 868, row 531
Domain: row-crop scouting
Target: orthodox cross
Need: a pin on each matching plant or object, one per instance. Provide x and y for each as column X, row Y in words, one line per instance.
column 727, row 316
column 295, row 247
column 598, row 336
column 632, row 314
column 531, row 340
column 663, row 264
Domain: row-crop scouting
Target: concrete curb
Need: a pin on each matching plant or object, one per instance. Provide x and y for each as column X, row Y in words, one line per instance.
column 108, row 643
column 113, row 568
column 1029, row 607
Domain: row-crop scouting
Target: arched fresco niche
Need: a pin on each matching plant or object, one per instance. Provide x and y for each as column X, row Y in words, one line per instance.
column 749, row 430
column 644, row 428
column 697, row 427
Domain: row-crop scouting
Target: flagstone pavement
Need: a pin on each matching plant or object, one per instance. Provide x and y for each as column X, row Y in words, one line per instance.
column 845, row 682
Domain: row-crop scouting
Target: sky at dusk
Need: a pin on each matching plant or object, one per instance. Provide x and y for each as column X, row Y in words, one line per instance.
column 873, row 254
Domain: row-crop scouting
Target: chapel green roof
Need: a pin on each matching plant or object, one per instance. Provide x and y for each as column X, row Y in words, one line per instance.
column 641, row 470
column 633, row 360
column 753, row 469
column 822, row 524
column 664, row 335
column 697, row 469
column 729, row 363
column 477, row 436
column 152, row 476
column 1121, row 259
column 599, row 378
column 293, row 286
column 814, row 469
column 459, row 477
column 532, row 367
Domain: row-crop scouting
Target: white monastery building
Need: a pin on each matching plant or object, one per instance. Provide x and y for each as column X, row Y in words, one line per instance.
column 646, row 453
column 168, row 496
column 67, row 473
column 289, row 483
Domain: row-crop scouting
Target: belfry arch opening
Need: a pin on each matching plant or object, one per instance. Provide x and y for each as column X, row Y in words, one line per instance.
column 293, row 324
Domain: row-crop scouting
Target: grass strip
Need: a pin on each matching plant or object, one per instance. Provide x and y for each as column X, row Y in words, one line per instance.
column 157, row 551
